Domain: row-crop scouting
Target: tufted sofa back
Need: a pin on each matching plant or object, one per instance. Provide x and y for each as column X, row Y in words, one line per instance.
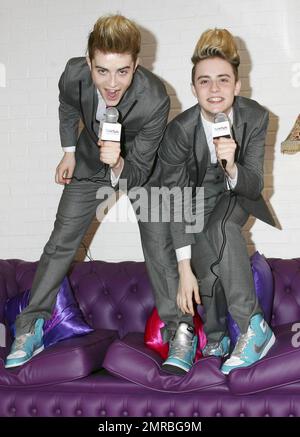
column 286, row 304
column 114, row 296
column 119, row 296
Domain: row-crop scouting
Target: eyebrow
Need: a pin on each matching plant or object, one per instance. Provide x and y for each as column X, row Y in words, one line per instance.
column 119, row 69
column 209, row 77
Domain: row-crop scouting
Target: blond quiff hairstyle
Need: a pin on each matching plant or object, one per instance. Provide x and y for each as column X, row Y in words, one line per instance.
column 114, row 34
column 216, row 43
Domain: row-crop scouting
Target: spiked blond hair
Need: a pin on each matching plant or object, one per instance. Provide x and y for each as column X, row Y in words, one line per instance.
column 216, row 43
column 114, row 34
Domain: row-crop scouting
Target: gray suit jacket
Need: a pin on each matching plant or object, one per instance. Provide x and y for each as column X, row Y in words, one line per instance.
column 183, row 157
column 143, row 113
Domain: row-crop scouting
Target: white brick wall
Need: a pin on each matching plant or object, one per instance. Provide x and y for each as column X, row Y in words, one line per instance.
column 37, row 37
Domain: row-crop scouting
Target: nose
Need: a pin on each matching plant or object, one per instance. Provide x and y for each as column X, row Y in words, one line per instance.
column 112, row 81
column 214, row 86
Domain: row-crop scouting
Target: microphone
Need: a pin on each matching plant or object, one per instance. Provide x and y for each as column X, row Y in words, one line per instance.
column 221, row 129
column 110, row 129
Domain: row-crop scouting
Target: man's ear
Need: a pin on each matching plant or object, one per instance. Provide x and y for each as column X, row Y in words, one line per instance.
column 237, row 88
column 136, row 64
column 193, row 90
column 88, row 61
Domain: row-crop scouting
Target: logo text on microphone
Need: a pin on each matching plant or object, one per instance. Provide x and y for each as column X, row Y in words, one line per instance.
column 111, row 132
column 220, row 129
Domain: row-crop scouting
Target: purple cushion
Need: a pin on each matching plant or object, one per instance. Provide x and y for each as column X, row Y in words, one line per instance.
column 132, row 360
column 66, row 320
column 66, row 361
column 263, row 282
column 280, row 367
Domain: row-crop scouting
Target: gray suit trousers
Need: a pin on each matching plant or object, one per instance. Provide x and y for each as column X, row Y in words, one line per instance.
column 76, row 211
column 161, row 264
column 231, row 288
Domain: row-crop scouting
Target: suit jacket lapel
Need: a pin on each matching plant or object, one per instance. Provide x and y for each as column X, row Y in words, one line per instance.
column 200, row 150
column 130, row 98
column 88, row 99
column 239, row 131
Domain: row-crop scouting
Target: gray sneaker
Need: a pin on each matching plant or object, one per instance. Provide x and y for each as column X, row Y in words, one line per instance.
column 218, row 348
column 182, row 350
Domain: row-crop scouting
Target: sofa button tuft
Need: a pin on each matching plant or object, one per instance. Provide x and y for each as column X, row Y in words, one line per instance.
column 195, row 414
column 78, row 412
column 291, row 415
column 171, row 414
column 149, row 414
column 13, row 410
column 242, row 414
column 119, row 316
column 102, row 412
column 58, row 411
column 33, row 411
column 125, row 413
column 267, row 415
column 218, row 414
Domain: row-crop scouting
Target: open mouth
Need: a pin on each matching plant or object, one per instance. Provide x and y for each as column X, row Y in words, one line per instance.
column 215, row 99
column 112, row 94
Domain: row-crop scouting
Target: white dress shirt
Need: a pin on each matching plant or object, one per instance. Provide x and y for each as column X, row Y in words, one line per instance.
column 185, row 252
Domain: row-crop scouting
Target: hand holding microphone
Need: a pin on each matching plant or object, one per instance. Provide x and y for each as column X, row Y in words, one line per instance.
column 225, row 145
column 109, row 138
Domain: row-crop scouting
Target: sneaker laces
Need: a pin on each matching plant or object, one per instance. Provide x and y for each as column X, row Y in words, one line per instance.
column 242, row 342
column 20, row 341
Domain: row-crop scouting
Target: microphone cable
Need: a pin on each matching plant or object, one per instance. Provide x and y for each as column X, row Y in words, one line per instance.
column 226, row 216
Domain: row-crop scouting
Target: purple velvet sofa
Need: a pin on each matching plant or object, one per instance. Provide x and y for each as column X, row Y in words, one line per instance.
column 109, row 372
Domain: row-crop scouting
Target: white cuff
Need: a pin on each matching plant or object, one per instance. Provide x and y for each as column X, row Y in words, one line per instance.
column 69, row 149
column 183, row 253
column 231, row 183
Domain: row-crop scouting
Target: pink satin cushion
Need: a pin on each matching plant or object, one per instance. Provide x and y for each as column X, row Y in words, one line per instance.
column 153, row 338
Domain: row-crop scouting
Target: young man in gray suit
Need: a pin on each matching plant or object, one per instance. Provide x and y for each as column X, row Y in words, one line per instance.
column 231, row 172
column 109, row 76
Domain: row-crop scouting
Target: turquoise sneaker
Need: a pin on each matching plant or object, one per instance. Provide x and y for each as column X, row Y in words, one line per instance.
column 218, row 348
column 26, row 346
column 182, row 350
column 251, row 346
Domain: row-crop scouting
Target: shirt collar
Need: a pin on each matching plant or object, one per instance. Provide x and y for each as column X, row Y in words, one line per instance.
column 207, row 124
column 101, row 109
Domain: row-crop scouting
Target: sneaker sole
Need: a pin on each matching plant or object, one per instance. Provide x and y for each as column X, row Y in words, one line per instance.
column 37, row 351
column 264, row 353
column 216, row 356
column 268, row 346
column 175, row 370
